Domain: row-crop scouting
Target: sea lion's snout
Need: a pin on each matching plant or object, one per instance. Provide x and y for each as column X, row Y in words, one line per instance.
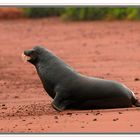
column 29, row 55
column 28, row 52
column 26, row 56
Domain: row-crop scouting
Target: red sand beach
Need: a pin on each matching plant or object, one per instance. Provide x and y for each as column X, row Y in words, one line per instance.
column 104, row 49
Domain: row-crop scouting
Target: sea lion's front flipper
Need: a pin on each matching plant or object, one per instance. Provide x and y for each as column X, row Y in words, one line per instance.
column 59, row 103
column 57, row 107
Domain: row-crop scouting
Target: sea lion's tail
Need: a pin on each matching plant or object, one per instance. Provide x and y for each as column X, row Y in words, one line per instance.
column 134, row 100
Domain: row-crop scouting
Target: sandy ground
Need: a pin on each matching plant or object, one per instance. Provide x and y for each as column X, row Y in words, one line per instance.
column 102, row 49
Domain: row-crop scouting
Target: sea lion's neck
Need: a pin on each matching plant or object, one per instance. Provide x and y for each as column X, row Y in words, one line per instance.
column 48, row 84
column 52, row 70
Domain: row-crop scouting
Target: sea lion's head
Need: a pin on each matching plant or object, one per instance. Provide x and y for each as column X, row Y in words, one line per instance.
column 39, row 55
column 32, row 55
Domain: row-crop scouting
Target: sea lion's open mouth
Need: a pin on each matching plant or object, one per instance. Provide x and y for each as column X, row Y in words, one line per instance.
column 25, row 58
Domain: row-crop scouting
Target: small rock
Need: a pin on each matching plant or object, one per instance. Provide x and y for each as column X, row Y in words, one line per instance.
column 115, row 119
column 4, row 108
column 136, row 79
column 120, row 112
column 69, row 113
column 16, row 97
column 97, row 113
column 94, row 119
column 55, row 117
column 4, row 83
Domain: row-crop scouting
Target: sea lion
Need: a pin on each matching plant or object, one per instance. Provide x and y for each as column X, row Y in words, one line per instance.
column 70, row 89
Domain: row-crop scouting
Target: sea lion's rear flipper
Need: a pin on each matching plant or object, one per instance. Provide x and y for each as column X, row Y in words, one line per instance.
column 137, row 104
column 135, row 101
